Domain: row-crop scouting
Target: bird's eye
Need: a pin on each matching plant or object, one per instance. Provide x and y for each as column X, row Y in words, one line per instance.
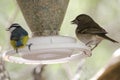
column 79, row 20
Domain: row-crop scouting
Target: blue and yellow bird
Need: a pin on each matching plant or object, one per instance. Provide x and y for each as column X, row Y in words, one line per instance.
column 19, row 37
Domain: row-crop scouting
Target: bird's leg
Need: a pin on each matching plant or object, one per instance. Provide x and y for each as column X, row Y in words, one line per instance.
column 16, row 50
column 94, row 46
column 88, row 44
column 29, row 46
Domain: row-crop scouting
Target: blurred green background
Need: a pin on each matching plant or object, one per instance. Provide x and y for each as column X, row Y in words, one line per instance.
column 104, row 12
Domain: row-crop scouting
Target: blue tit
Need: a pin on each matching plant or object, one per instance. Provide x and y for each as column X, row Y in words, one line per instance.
column 19, row 37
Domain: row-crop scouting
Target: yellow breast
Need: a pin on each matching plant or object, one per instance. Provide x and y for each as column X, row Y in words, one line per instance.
column 23, row 40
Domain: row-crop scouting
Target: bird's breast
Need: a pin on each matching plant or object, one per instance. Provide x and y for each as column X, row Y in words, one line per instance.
column 86, row 38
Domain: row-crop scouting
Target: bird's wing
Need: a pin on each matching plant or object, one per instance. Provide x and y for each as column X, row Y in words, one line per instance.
column 18, row 34
column 15, row 37
column 93, row 29
column 22, row 31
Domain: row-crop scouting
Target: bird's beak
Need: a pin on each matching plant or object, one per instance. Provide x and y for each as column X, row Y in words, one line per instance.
column 74, row 21
column 7, row 29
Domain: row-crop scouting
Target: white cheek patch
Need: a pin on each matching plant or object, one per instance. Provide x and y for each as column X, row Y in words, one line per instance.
column 11, row 29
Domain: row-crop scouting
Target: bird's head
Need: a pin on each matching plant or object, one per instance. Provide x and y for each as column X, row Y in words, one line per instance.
column 13, row 27
column 82, row 19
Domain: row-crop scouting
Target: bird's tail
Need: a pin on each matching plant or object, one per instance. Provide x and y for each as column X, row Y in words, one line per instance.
column 108, row 38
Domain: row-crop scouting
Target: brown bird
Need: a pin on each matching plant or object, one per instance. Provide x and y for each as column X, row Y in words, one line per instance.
column 89, row 32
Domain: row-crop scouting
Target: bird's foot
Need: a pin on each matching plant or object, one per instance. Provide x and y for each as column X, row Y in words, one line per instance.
column 87, row 54
column 29, row 46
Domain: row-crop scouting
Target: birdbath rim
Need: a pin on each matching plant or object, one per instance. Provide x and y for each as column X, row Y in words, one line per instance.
column 49, row 50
